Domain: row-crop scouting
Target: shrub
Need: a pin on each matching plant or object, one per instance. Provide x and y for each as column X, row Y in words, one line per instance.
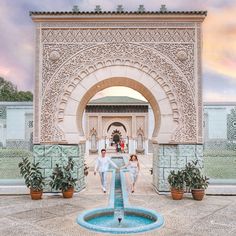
column 61, row 178
column 176, row 179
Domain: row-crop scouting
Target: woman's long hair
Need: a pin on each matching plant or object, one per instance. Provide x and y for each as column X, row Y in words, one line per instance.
column 133, row 155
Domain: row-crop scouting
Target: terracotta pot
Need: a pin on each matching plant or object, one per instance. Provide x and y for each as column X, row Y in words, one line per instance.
column 36, row 195
column 68, row 193
column 198, row 194
column 177, row 194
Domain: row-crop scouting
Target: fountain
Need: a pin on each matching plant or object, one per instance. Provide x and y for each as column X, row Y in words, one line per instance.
column 120, row 217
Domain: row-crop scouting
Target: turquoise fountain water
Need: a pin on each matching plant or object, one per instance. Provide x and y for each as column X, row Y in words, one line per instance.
column 119, row 217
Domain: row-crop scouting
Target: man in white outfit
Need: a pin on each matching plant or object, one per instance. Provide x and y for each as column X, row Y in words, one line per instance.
column 102, row 165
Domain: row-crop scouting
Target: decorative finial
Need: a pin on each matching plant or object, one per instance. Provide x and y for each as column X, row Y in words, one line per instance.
column 163, row 8
column 120, row 8
column 98, row 8
column 75, row 8
column 141, row 8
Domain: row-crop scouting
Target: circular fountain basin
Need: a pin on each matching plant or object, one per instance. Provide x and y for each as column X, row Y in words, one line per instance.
column 135, row 220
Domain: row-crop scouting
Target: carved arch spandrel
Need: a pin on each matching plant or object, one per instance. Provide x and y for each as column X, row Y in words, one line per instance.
column 131, row 55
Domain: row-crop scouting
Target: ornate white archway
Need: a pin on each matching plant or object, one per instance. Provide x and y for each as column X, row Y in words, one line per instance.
column 156, row 53
column 165, row 120
column 159, row 73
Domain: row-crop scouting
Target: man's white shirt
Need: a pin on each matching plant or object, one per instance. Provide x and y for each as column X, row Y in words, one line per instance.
column 102, row 164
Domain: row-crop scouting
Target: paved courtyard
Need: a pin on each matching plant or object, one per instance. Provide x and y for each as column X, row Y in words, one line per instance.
column 55, row 216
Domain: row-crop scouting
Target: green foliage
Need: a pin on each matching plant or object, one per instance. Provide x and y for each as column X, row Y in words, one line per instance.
column 9, row 92
column 61, row 178
column 24, row 96
column 190, row 176
column 193, row 176
column 32, row 174
column 199, row 182
column 176, row 179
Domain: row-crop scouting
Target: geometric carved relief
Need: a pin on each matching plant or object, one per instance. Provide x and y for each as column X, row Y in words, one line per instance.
column 3, row 112
column 118, row 35
column 140, row 123
column 140, row 140
column 93, row 139
column 93, row 124
column 168, row 52
column 231, row 125
column 177, row 87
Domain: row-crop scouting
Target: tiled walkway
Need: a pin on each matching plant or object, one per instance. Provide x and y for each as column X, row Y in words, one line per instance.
column 55, row 216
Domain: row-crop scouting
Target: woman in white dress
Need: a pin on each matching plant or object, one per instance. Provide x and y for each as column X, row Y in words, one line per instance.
column 134, row 168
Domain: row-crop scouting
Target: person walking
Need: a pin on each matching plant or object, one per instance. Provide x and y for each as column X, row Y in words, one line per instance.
column 118, row 147
column 134, row 168
column 122, row 145
column 102, row 165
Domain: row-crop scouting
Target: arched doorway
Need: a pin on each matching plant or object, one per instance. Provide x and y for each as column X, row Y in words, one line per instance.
column 115, row 131
column 116, row 136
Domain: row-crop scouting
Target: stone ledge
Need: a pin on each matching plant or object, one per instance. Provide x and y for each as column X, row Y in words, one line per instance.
column 221, row 190
column 13, row 189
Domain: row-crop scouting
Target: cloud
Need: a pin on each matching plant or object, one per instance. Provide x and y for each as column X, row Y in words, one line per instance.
column 224, row 96
column 219, row 45
column 217, row 87
column 219, row 31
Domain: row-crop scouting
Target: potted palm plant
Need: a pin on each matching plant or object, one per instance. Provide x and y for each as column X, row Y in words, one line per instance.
column 34, row 179
column 176, row 181
column 62, row 179
column 195, row 180
column 198, row 185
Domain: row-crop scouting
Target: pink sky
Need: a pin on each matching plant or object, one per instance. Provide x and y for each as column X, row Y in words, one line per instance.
column 219, row 31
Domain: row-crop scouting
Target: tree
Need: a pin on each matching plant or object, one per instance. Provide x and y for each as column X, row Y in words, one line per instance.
column 9, row 92
column 24, row 96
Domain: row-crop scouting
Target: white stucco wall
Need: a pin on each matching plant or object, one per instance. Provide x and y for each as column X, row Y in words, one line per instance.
column 15, row 123
column 217, row 123
column 2, row 134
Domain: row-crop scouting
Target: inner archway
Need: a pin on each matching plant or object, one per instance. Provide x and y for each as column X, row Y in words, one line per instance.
column 116, row 124
column 117, row 113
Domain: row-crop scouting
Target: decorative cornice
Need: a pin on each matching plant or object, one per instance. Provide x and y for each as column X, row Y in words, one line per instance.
column 34, row 13
column 119, row 16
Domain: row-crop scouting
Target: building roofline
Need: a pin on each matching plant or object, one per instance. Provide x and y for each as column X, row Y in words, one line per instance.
column 42, row 16
column 34, row 13
column 117, row 101
column 117, row 104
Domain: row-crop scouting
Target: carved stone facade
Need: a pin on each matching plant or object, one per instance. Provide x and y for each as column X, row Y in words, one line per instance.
column 159, row 55
column 168, row 52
